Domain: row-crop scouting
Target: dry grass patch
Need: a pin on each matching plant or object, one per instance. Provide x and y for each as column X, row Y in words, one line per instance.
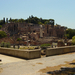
column 50, row 68
column 1, row 70
column 67, row 64
column 28, row 47
column 33, row 65
column 39, row 63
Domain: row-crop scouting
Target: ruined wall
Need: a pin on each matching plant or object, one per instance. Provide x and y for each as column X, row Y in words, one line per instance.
column 54, row 31
column 25, row 28
column 59, row 50
column 27, row 54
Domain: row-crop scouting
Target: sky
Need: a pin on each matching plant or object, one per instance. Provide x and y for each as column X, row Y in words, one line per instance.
column 62, row 11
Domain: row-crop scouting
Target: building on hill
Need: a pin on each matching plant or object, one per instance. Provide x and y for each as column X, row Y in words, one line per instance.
column 56, row 31
column 34, row 31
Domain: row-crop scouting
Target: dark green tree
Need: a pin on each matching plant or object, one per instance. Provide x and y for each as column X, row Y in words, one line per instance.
column 2, row 34
column 10, row 20
column 19, row 39
column 70, row 33
column 0, row 26
column 31, row 19
column 73, row 40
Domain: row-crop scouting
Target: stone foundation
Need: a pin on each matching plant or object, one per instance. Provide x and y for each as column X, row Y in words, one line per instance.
column 59, row 50
column 27, row 54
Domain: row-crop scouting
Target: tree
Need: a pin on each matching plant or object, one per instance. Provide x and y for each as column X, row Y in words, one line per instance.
column 2, row 34
column 70, row 33
column 2, row 22
column 39, row 22
column 46, row 22
column 0, row 26
column 31, row 19
column 21, row 20
column 5, row 44
column 6, row 20
column 73, row 40
column 51, row 21
column 10, row 20
column 19, row 39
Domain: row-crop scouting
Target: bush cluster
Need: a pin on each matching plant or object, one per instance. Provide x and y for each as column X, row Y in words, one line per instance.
column 73, row 40
column 45, row 45
column 2, row 34
column 5, row 44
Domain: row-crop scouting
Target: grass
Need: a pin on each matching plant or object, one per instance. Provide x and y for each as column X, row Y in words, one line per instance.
column 24, row 47
column 0, row 63
column 28, row 47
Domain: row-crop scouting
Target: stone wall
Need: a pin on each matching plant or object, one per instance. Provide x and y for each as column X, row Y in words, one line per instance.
column 59, row 50
column 27, row 54
column 32, row 54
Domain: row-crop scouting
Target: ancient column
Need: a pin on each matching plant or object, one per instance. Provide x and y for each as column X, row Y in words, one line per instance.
column 41, row 31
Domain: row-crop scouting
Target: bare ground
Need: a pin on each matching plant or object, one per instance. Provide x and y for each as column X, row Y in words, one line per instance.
column 16, row 66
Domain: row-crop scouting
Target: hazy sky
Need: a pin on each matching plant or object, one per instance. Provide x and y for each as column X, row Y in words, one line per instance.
column 62, row 11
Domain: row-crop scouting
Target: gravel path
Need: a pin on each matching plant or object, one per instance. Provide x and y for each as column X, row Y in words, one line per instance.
column 16, row 66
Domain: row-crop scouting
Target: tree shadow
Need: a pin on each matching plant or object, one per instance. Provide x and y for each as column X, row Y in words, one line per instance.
column 72, row 63
column 63, row 71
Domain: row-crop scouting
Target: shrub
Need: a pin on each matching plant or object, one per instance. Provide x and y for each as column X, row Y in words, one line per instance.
column 0, row 26
column 73, row 40
column 19, row 39
column 45, row 45
column 2, row 44
column 5, row 44
column 2, row 34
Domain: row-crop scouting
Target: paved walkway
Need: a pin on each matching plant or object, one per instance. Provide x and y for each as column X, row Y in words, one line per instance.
column 16, row 66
